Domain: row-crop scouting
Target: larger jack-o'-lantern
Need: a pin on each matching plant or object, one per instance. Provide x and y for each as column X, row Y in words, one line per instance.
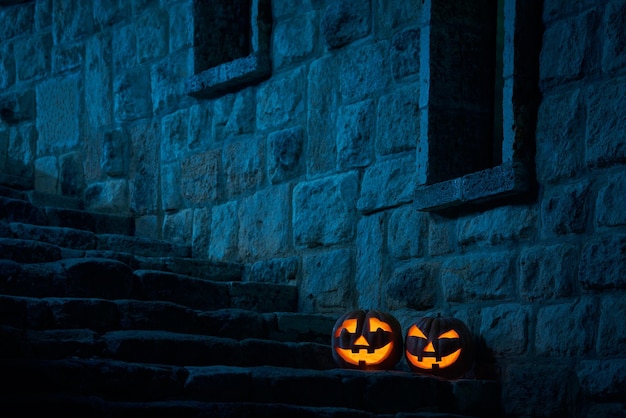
column 439, row 346
column 367, row 340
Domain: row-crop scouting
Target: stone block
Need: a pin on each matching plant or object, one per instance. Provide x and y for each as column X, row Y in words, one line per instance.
column 108, row 197
column 370, row 256
column 282, row 100
column 394, row 14
column 244, row 166
column 613, row 57
column 405, row 53
column 7, row 66
column 144, row 166
column 548, row 272
column 58, row 114
column 397, row 124
column 566, row 210
column 178, row 227
column 71, row 20
column 538, row 390
column 151, row 32
column 495, row 226
column 504, row 329
column 174, row 136
column 21, row 150
column 238, row 115
column 124, row 47
column 171, row 197
column 602, row 264
column 412, row 285
column 132, row 97
column 566, row 329
column 201, row 233
column 364, row 71
column 67, row 57
column 322, row 104
column 326, row 281
column 611, row 332
column 324, row 210
column 388, row 183
column 603, row 379
column 71, row 177
column 278, row 271
column 606, row 127
column 407, row 233
column 98, row 81
column 355, row 135
column 566, row 43
column 181, row 26
column 46, row 174
column 344, row 21
column 200, row 178
column 224, row 232
column 200, row 122
column 285, row 149
column 264, row 223
column 115, row 153
column 18, row 107
column 16, row 21
column 560, row 135
column 167, row 78
column 611, row 202
column 294, row 39
column 107, row 13
column 479, row 277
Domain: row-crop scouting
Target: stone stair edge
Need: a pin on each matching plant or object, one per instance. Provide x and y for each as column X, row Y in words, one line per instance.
column 377, row 392
column 122, row 314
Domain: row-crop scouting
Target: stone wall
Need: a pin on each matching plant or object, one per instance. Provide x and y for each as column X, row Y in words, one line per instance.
column 309, row 177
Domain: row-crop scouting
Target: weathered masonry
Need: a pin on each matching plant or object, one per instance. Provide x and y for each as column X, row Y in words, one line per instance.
column 417, row 157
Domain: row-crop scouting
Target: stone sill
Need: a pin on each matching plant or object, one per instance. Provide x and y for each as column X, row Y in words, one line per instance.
column 230, row 76
column 482, row 186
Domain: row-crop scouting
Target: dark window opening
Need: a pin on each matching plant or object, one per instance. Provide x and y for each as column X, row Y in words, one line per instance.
column 231, row 45
column 478, row 107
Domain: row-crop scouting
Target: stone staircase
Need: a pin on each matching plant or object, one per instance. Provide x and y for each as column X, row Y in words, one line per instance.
column 95, row 322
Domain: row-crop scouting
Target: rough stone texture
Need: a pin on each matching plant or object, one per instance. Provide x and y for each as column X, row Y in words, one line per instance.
column 387, row 183
column 307, row 162
column 324, row 211
column 344, row 22
column 264, row 224
column 324, row 286
column 488, row 276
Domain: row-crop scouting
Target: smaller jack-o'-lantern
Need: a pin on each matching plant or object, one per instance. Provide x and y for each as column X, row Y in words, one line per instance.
column 440, row 347
column 367, row 340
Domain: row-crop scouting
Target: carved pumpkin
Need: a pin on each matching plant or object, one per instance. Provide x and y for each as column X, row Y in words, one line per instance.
column 440, row 347
column 367, row 340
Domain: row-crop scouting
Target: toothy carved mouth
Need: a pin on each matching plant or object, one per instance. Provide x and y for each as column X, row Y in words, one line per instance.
column 365, row 355
column 429, row 362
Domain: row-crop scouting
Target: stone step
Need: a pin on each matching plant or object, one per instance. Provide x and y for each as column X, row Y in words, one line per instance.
column 382, row 392
column 210, row 295
column 18, row 209
column 102, row 315
column 163, row 347
column 104, row 278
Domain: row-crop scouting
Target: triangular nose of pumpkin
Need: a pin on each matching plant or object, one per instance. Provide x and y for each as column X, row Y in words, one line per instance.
column 361, row 341
column 429, row 348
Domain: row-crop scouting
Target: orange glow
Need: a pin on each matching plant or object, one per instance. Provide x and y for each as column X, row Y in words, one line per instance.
column 363, row 356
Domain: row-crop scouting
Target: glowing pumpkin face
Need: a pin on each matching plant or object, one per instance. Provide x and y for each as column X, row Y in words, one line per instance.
column 367, row 340
column 440, row 347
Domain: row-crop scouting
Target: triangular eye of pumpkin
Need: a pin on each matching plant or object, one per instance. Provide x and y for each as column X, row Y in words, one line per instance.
column 376, row 324
column 449, row 334
column 416, row 332
column 349, row 325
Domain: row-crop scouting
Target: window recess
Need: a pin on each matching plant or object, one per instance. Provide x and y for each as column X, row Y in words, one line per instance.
column 478, row 101
column 231, row 45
